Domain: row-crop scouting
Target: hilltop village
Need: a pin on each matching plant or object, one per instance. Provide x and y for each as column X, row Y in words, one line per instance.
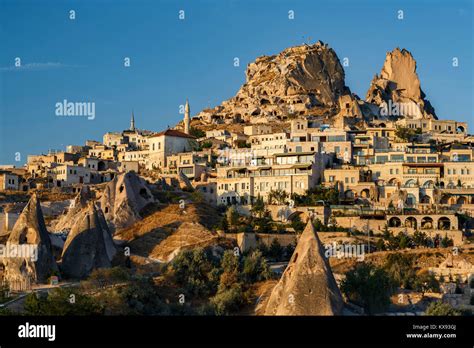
column 287, row 199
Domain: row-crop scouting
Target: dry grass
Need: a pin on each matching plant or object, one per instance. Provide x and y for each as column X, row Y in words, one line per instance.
column 171, row 228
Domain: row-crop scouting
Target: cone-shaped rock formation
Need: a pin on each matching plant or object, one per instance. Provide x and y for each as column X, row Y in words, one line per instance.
column 68, row 220
column 307, row 287
column 123, row 199
column 88, row 246
column 30, row 231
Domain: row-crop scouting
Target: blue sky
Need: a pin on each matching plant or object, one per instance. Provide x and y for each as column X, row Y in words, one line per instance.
column 171, row 59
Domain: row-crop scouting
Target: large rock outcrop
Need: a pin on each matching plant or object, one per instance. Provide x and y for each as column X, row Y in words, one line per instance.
column 30, row 231
column 398, row 84
column 68, row 220
column 307, row 287
column 123, row 199
column 294, row 82
column 89, row 245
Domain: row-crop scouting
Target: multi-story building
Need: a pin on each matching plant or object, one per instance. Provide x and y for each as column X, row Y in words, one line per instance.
column 166, row 143
column 242, row 182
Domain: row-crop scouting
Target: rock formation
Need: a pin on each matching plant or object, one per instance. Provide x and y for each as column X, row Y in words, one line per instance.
column 294, row 82
column 397, row 89
column 30, row 229
column 307, row 287
column 68, row 220
column 188, row 235
column 123, row 199
column 89, row 245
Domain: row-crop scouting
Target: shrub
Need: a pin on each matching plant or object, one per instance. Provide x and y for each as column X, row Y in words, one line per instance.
column 401, row 270
column 228, row 301
column 255, row 267
column 426, row 281
column 368, row 286
column 439, row 308
column 62, row 301
column 275, row 251
column 193, row 269
column 104, row 277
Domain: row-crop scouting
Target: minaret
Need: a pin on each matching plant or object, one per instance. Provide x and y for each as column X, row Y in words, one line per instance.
column 132, row 123
column 187, row 119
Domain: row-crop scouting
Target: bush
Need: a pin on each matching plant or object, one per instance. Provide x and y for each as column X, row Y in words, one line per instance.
column 140, row 298
column 228, row 301
column 275, row 251
column 104, row 277
column 297, row 224
column 369, row 287
column 441, row 309
column 255, row 268
column 62, row 301
column 195, row 271
column 401, row 270
column 426, row 281
column 316, row 194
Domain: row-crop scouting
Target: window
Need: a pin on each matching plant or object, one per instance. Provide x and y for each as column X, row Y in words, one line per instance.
column 346, row 180
column 331, row 178
column 336, row 138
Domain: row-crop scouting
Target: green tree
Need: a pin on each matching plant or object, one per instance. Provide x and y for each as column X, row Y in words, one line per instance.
column 407, row 134
column 380, row 245
column 297, row 224
column 194, row 270
column 196, row 132
column 228, row 301
column 62, row 301
column 439, row 308
column 258, row 208
column 403, row 241
column 277, row 196
column 446, row 242
column 420, row 238
column 255, row 267
column 426, row 281
column 229, row 293
column 369, row 287
column 317, row 194
column 401, row 269
column 232, row 217
column 224, row 225
column 275, row 251
column 206, row 145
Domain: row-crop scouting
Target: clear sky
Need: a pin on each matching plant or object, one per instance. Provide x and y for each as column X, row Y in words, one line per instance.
column 82, row 60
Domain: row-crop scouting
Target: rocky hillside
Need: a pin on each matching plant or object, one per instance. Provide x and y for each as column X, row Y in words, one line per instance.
column 398, row 82
column 309, row 80
column 300, row 80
